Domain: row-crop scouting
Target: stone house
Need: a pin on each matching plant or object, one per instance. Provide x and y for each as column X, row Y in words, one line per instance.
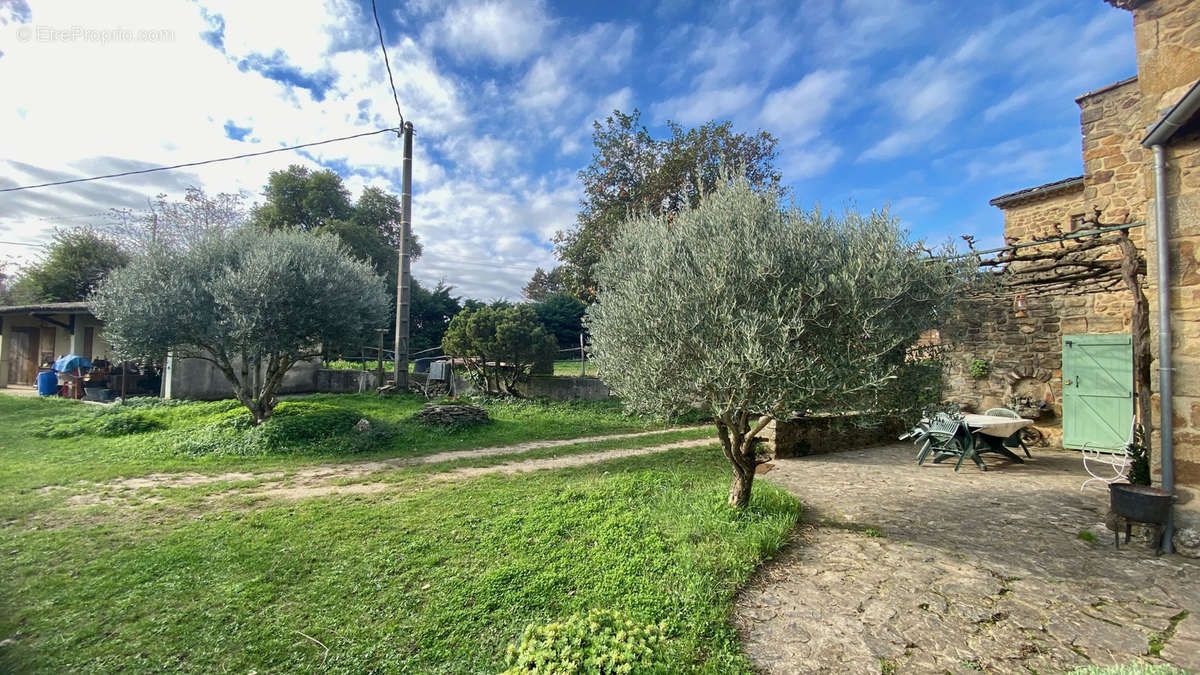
column 1128, row 129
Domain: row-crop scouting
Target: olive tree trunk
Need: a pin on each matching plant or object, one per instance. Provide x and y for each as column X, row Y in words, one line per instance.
column 738, row 440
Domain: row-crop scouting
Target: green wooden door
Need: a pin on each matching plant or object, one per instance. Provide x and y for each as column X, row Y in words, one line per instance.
column 1097, row 391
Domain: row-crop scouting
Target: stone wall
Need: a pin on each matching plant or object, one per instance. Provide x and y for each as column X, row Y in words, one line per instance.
column 817, row 435
column 1114, row 165
column 1167, row 36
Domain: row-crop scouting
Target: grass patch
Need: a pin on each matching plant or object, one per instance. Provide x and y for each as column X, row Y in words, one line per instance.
column 440, row 580
column 58, row 442
column 1086, row 535
column 572, row 369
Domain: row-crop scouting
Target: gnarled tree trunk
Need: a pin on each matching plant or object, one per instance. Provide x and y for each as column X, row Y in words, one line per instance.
column 737, row 442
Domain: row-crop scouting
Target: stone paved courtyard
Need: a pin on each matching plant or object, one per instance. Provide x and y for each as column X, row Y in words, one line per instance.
column 901, row 568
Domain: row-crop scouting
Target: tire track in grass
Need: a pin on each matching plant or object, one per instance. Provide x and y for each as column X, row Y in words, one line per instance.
column 468, row 472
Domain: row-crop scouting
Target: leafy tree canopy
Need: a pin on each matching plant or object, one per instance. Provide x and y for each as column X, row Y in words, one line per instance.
column 175, row 223
column 318, row 200
column 562, row 315
column 499, row 345
column 633, row 173
column 245, row 301
column 750, row 311
column 430, row 312
column 75, row 261
column 299, row 197
column 544, row 284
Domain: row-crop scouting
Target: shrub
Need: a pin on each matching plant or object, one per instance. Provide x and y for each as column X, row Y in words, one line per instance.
column 125, row 423
column 295, row 426
column 601, row 642
column 979, row 369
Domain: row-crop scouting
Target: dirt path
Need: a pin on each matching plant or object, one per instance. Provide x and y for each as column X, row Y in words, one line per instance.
column 352, row 470
column 919, row 569
column 320, row 487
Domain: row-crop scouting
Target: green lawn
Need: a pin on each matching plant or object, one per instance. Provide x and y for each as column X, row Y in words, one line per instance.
column 572, row 369
column 425, row 577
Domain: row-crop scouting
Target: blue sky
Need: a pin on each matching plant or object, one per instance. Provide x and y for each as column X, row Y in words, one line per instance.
column 931, row 107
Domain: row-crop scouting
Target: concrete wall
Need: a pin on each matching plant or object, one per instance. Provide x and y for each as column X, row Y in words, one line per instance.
column 567, row 388
column 201, row 380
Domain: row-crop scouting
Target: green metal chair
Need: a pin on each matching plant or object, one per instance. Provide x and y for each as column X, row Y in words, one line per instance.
column 1016, row 440
column 945, row 437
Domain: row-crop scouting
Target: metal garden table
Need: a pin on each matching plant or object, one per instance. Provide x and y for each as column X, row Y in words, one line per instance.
column 988, row 433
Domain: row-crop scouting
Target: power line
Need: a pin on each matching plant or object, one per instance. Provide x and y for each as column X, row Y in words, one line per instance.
column 201, row 163
column 20, row 243
column 386, row 64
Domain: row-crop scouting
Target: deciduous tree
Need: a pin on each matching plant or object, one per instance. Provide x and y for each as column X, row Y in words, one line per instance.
column 246, row 301
column 544, row 284
column 176, row 223
column 632, row 172
column 751, row 312
column 75, row 261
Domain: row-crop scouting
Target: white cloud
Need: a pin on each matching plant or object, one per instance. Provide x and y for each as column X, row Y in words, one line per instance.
column 805, row 162
column 506, row 31
column 708, row 104
column 798, row 111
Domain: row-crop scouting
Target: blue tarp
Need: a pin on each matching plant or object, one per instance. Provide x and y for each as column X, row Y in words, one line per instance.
column 70, row 362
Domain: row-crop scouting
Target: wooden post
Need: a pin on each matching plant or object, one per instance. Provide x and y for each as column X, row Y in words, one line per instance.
column 582, row 358
column 379, row 366
column 403, row 282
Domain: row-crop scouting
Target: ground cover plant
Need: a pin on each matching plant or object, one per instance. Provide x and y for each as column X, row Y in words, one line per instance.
column 56, row 442
column 439, row 579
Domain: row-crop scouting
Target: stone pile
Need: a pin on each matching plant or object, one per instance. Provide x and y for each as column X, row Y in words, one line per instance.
column 453, row 415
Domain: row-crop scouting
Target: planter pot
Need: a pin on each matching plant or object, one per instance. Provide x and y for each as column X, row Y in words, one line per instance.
column 1141, row 503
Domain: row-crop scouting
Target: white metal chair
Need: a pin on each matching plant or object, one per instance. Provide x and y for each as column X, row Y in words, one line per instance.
column 1106, row 466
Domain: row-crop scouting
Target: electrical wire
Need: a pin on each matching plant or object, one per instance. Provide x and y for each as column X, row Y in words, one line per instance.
column 201, row 163
column 386, row 63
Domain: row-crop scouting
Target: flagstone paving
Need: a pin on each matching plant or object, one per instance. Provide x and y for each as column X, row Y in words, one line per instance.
column 901, row 569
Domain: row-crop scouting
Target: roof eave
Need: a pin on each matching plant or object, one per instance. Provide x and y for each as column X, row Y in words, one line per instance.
column 47, row 308
column 1037, row 192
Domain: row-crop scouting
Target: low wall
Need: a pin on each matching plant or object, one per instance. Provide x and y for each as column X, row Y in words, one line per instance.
column 555, row 388
column 818, row 435
column 201, row 380
column 566, row 388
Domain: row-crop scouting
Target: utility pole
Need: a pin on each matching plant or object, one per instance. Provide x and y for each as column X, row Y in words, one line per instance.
column 403, row 282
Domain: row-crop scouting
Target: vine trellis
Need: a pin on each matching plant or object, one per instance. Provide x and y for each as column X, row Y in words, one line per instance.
column 1076, row 263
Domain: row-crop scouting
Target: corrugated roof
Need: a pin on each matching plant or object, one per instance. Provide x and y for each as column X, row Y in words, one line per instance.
column 1039, row 191
column 47, row 308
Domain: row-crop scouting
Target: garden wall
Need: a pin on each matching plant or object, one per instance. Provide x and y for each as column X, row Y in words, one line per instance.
column 567, row 388
column 818, row 435
column 201, row 380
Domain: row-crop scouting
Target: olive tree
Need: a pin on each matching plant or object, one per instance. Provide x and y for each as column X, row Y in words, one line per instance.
column 251, row 302
column 751, row 311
